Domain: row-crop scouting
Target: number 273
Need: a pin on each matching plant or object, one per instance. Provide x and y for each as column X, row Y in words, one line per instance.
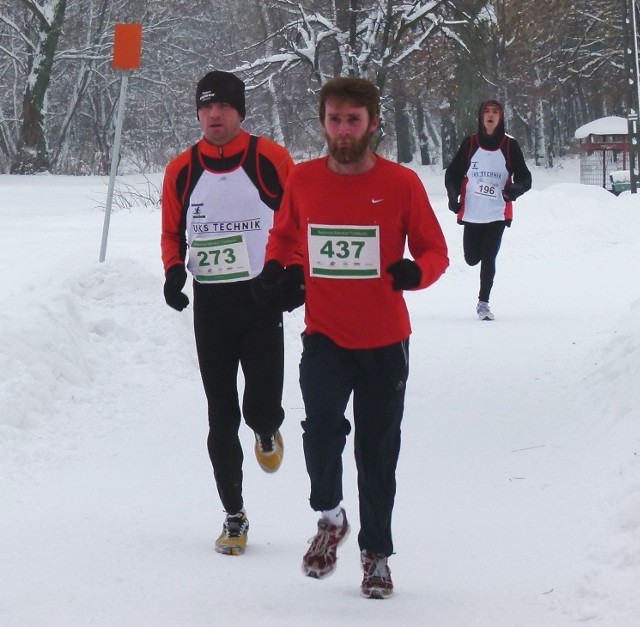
column 229, row 256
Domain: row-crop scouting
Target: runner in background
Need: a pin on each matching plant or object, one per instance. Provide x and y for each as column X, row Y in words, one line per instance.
column 485, row 177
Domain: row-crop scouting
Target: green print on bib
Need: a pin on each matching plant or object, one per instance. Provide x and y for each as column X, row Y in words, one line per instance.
column 221, row 259
column 344, row 252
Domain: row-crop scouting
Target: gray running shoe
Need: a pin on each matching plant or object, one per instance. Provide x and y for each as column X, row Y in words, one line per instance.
column 483, row 311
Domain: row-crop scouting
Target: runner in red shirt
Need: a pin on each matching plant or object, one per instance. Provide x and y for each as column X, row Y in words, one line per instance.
column 352, row 214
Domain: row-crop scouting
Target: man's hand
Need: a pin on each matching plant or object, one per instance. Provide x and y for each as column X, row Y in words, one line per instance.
column 174, row 281
column 455, row 206
column 292, row 289
column 406, row 274
column 277, row 287
column 512, row 191
column 265, row 286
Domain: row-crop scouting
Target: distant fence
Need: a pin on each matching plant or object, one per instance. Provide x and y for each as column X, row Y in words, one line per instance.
column 599, row 160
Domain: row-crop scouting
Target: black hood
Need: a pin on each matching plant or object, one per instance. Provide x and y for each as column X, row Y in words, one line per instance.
column 491, row 142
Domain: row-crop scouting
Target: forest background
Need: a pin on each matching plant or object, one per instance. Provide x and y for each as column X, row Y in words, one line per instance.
column 554, row 64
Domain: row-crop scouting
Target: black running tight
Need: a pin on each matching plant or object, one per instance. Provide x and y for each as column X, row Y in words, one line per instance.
column 232, row 331
column 481, row 243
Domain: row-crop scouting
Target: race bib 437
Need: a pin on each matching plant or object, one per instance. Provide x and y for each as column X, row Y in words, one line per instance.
column 344, row 252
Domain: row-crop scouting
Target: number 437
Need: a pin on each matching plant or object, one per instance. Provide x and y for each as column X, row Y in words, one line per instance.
column 342, row 249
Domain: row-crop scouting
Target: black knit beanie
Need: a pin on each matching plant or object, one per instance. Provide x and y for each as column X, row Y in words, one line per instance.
column 220, row 86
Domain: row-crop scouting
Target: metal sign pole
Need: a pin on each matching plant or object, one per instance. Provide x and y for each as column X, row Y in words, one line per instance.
column 634, row 120
column 115, row 158
column 630, row 39
column 127, row 48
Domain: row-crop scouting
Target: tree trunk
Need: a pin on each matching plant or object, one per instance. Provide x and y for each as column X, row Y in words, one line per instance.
column 401, row 119
column 540, row 135
column 32, row 153
column 448, row 134
column 423, row 136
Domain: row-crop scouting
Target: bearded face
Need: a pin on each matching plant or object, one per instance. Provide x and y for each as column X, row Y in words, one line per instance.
column 348, row 129
column 347, row 150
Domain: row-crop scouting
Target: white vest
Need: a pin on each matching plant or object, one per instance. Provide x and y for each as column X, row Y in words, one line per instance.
column 227, row 205
column 486, row 177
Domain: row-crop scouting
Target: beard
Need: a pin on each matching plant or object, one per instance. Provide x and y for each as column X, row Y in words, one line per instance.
column 353, row 152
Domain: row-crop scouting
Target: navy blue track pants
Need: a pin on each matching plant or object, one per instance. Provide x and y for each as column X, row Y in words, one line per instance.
column 377, row 379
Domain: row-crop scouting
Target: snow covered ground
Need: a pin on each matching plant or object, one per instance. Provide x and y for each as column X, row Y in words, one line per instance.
column 518, row 486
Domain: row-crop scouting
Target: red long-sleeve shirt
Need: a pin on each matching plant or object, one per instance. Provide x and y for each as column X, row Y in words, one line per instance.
column 359, row 313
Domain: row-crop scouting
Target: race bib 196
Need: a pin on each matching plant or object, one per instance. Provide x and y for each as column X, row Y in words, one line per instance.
column 344, row 252
column 220, row 259
column 487, row 189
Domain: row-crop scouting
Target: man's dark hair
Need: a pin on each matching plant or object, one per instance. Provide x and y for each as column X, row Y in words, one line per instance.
column 349, row 89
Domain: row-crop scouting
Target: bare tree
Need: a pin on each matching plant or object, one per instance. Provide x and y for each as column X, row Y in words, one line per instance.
column 39, row 31
column 433, row 61
column 365, row 38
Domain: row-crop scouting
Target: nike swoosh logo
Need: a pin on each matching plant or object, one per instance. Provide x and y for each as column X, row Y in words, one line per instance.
column 375, row 201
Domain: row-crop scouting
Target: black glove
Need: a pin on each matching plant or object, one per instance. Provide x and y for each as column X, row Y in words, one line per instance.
column 277, row 287
column 265, row 286
column 454, row 205
column 292, row 288
column 512, row 191
column 406, row 274
column 174, row 281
